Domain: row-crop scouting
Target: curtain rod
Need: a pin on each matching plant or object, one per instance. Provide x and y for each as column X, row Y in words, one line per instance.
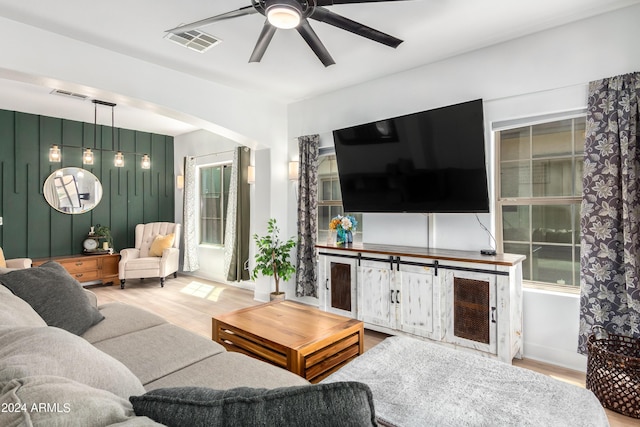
column 216, row 153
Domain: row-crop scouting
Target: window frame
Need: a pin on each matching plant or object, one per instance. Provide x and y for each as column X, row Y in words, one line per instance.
column 531, row 201
column 223, row 214
column 357, row 236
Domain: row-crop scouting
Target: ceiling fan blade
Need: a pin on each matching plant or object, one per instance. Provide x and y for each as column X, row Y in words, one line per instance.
column 247, row 10
column 266, row 35
column 314, row 42
column 325, row 15
column 332, row 2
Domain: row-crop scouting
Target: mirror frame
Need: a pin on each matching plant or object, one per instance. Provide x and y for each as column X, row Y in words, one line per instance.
column 72, row 190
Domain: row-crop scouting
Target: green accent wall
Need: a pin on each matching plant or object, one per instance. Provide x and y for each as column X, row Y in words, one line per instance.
column 131, row 195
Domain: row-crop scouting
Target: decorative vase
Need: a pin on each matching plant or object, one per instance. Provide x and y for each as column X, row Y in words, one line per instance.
column 341, row 237
column 349, row 237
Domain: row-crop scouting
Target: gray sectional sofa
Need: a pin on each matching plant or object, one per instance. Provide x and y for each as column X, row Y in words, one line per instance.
column 51, row 376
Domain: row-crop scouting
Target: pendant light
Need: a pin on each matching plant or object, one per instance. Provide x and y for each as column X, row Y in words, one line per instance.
column 87, row 157
column 54, row 154
column 146, row 162
column 118, row 161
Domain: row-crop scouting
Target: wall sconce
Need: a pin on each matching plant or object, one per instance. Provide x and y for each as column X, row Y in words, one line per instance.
column 251, row 174
column 54, row 154
column 293, row 170
column 180, row 182
column 146, row 162
column 87, row 157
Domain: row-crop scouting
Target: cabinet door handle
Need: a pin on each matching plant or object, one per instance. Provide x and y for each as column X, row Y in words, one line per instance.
column 398, row 297
column 326, row 284
column 392, row 291
column 493, row 315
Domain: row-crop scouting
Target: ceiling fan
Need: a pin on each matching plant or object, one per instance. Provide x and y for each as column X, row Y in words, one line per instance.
column 287, row 14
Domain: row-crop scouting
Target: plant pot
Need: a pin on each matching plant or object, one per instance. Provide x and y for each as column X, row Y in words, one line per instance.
column 276, row 296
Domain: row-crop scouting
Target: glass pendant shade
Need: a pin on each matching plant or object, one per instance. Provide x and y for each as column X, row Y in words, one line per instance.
column 54, row 154
column 119, row 160
column 146, row 162
column 87, row 157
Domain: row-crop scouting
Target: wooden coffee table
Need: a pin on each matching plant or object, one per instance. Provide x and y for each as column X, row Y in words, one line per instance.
column 297, row 337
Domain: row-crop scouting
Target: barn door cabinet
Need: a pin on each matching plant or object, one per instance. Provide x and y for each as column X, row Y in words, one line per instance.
column 458, row 298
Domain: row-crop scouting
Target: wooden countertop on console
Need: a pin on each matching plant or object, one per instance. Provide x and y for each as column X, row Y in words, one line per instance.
column 430, row 253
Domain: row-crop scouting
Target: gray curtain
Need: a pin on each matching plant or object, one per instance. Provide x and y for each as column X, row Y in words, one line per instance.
column 190, row 216
column 610, row 213
column 236, row 235
column 307, row 269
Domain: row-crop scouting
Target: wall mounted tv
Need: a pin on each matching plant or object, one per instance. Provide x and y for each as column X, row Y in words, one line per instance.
column 432, row 161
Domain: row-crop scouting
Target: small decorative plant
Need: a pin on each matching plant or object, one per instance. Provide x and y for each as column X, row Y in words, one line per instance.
column 272, row 256
column 104, row 232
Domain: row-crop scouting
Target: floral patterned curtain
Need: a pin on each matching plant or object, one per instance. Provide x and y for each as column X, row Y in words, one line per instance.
column 610, row 213
column 190, row 212
column 307, row 269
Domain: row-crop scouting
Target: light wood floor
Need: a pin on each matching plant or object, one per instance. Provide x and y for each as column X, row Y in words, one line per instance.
column 190, row 302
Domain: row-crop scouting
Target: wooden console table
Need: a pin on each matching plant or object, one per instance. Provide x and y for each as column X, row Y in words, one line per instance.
column 88, row 268
column 297, row 337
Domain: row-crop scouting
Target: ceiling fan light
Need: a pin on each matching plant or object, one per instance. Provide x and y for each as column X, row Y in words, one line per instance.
column 284, row 14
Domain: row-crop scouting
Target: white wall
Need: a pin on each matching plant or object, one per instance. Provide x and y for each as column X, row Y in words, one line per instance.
column 543, row 73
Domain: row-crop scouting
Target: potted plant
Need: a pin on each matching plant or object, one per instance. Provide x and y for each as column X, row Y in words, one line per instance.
column 104, row 232
column 272, row 257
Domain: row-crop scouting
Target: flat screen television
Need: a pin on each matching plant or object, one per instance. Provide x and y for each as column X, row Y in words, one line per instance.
column 431, row 161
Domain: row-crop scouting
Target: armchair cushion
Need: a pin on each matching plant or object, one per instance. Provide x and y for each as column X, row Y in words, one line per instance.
column 160, row 243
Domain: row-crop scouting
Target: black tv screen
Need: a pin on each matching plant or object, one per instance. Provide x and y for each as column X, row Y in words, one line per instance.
column 431, row 161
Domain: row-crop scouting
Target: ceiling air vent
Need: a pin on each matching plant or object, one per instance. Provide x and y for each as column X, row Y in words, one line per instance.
column 68, row 94
column 194, row 40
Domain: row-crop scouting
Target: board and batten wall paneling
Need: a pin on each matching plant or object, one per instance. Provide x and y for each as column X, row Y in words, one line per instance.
column 131, row 195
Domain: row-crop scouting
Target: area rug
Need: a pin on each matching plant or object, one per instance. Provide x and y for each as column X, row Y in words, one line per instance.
column 417, row 383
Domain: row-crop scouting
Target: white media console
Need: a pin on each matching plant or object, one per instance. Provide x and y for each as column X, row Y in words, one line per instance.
column 459, row 298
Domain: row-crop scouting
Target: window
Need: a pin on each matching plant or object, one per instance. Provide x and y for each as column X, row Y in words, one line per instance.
column 330, row 199
column 214, row 196
column 539, row 195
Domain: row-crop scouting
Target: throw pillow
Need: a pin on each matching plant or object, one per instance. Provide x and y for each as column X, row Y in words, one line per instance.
column 28, row 351
column 14, row 311
column 3, row 262
column 56, row 296
column 48, row 400
column 335, row 404
column 160, row 243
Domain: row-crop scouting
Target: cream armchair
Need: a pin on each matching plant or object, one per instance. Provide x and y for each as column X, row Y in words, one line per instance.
column 148, row 259
column 7, row 265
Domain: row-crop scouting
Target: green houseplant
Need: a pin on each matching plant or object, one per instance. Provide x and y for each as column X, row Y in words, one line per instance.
column 272, row 257
column 104, row 232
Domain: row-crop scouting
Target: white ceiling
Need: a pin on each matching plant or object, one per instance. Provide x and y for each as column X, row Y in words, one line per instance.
column 432, row 30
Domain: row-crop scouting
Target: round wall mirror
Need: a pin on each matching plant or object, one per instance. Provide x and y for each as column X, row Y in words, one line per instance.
column 72, row 190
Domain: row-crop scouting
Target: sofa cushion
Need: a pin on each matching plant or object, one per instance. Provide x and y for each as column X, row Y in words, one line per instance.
column 158, row 351
column 56, row 296
column 15, row 311
column 228, row 370
column 27, row 351
column 56, row 401
column 160, row 243
column 338, row 404
column 121, row 319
